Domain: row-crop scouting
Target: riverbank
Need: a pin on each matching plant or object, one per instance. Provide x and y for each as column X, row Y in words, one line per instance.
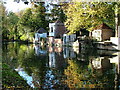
column 11, row 79
column 19, row 41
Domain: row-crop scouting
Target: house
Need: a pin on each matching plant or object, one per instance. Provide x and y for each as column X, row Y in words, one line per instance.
column 68, row 52
column 40, row 34
column 73, row 39
column 57, row 29
column 102, row 32
column 68, row 39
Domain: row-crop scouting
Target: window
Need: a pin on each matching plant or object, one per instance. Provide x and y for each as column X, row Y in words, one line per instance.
column 51, row 29
column 69, row 37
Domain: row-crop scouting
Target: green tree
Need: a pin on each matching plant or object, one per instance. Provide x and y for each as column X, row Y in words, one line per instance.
column 8, row 23
column 12, row 21
column 58, row 13
column 26, row 18
column 38, row 16
column 31, row 20
column 3, row 21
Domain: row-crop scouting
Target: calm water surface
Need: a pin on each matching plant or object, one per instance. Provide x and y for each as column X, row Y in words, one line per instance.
column 63, row 67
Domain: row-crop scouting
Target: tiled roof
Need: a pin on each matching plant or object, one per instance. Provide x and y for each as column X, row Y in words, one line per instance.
column 58, row 21
column 102, row 26
column 66, row 32
column 41, row 30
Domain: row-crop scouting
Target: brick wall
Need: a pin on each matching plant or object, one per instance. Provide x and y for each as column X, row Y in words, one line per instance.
column 106, row 34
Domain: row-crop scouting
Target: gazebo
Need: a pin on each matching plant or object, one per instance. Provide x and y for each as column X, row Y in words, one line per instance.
column 40, row 34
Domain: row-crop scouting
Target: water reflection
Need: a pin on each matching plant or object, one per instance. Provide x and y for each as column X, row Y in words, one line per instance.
column 69, row 52
column 63, row 67
column 39, row 50
column 26, row 77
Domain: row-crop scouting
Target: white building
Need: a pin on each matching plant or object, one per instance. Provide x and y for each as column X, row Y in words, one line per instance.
column 68, row 52
column 56, row 31
column 68, row 39
column 41, row 33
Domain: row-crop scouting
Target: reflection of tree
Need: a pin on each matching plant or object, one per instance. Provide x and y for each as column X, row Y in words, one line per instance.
column 11, row 79
column 34, row 65
column 10, row 53
column 54, row 79
column 81, row 76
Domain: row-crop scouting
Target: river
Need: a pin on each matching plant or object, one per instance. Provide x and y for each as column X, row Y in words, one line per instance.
column 62, row 67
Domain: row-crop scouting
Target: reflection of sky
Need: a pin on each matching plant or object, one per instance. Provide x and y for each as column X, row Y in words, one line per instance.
column 50, row 80
column 26, row 77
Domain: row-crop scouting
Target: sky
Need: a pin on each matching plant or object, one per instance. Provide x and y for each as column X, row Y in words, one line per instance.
column 14, row 6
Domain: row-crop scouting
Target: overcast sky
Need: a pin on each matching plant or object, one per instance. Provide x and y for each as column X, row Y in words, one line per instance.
column 14, row 6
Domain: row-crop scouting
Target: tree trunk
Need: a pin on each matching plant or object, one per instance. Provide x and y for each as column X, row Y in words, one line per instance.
column 116, row 20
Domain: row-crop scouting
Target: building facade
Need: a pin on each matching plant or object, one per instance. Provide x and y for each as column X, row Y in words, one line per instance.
column 102, row 32
column 56, row 31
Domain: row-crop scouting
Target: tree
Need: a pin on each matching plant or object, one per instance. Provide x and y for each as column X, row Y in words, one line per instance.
column 38, row 16
column 89, row 15
column 26, row 18
column 3, row 20
column 117, row 17
column 58, row 13
column 31, row 20
column 8, row 23
column 12, row 21
column 34, row 17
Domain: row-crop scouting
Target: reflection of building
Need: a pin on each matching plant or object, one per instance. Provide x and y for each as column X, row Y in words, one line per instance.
column 56, row 59
column 115, row 59
column 39, row 50
column 55, row 49
column 106, row 60
column 52, row 59
column 101, row 63
column 68, row 52
column 60, row 61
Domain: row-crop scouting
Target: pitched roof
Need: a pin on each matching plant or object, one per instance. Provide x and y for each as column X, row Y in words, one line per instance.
column 66, row 32
column 102, row 26
column 58, row 21
column 41, row 30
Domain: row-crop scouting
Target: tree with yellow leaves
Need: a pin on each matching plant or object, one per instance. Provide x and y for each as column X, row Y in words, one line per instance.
column 89, row 14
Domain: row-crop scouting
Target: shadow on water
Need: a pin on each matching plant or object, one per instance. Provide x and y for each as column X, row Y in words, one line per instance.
column 63, row 67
